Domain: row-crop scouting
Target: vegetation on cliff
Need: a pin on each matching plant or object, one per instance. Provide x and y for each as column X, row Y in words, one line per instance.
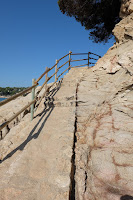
column 10, row 90
column 98, row 16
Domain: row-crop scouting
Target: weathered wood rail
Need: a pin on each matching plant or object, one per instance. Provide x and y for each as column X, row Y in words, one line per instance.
column 47, row 79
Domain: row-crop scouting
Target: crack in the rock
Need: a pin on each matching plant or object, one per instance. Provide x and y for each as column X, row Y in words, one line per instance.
column 126, row 197
column 86, row 176
column 112, row 73
column 0, row 135
column 123, row 89
column 73, row 166
column 121, row 111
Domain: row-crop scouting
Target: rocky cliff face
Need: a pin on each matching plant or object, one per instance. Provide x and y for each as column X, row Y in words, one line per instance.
column 104, row 147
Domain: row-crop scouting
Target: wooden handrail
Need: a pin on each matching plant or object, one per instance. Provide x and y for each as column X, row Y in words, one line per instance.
column 63, row 65
column 14, row 116
column 93, row 58
column 95, row 54
column 79, row 60
column 74, row 54
column 85, row 54
column 46, row 81
column 45, row 93
column 63, row 72
column 92, row 63
column 17, row 95
column 42, row 76
column 63, row 57
column 51, row 76
column 49, row 69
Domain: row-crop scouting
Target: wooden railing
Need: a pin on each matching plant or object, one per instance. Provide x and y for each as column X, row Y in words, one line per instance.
column 47, row 79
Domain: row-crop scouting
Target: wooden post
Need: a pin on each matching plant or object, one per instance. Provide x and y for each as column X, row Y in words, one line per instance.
column 70, row 59
column 46, row 78
column 88, row 58
column 33, row 97
column 56, row 70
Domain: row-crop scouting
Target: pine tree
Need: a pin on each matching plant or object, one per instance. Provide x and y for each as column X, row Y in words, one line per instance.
column 97, row 16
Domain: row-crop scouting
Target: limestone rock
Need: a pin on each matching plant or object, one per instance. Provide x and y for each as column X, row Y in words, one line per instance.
column 36, row 156
column 126, row 8
column 104, row 163
column 80, row 143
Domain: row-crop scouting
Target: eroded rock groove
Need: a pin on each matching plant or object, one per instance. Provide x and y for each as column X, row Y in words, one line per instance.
column 73, row 168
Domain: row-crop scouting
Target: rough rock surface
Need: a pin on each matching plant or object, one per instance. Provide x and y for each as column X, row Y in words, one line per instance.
column 10, row 109
column 126, row 8
column 80, row 146
column 36, row 156
column 104, row 147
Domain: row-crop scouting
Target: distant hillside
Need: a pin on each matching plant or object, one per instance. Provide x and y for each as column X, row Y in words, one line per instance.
column 10, row 90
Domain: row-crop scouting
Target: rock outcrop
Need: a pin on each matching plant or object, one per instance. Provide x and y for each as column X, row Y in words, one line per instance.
column 104, row 147
column 80, row 146
column 126, row 8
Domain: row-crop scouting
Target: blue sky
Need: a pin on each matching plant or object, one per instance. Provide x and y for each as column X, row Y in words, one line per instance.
column 33, row 34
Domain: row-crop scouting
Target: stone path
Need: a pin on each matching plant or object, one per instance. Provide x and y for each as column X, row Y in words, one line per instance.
column 37, row 159
column 80, row 147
